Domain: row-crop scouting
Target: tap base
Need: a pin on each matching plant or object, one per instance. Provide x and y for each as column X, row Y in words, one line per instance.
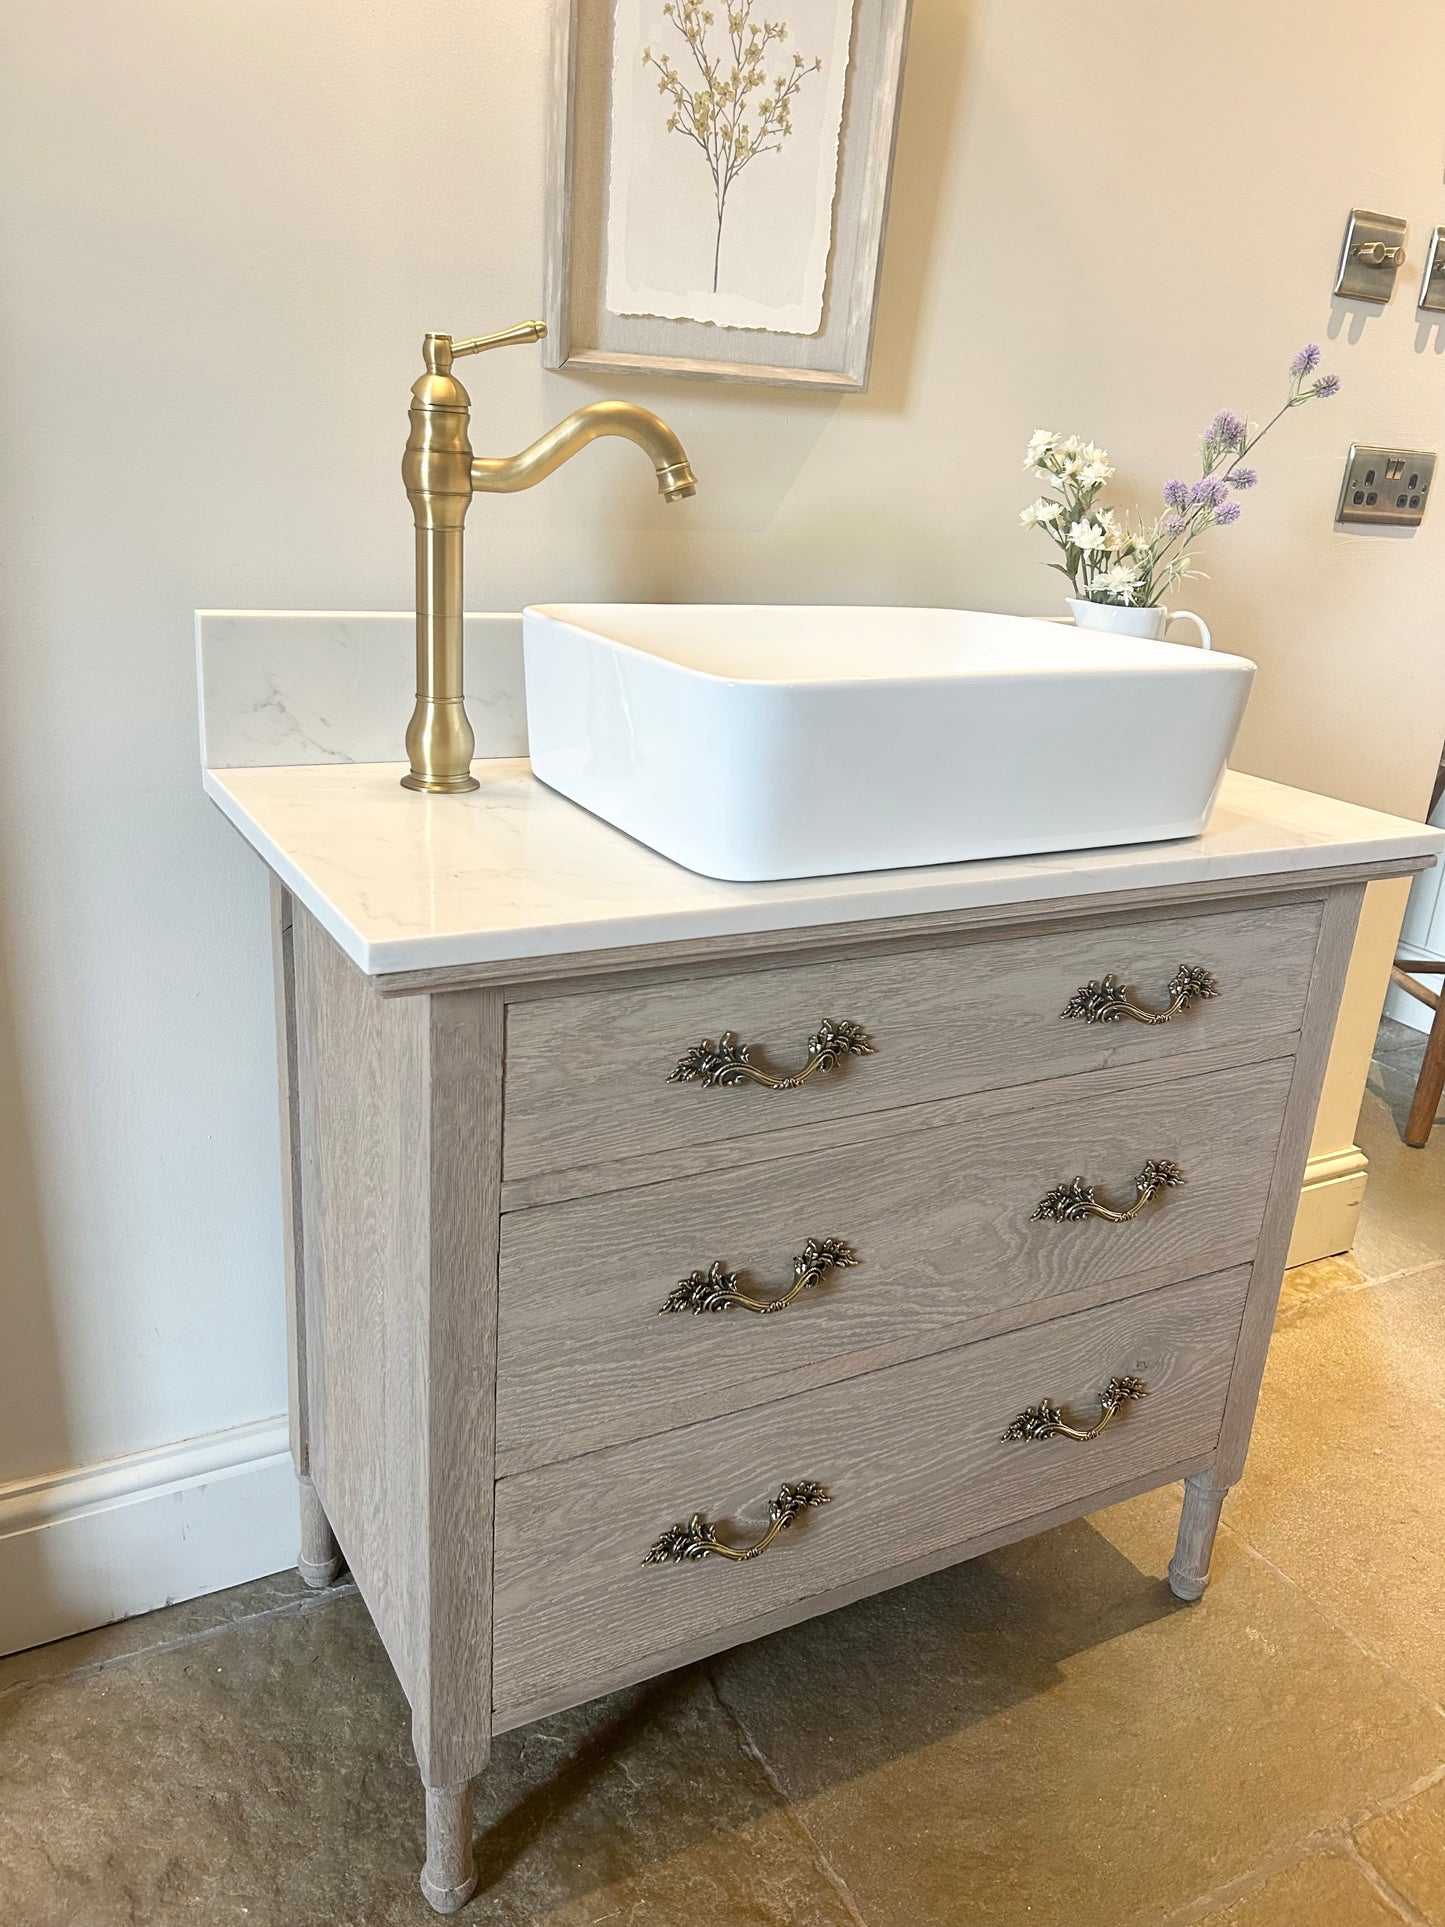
column 439, row 785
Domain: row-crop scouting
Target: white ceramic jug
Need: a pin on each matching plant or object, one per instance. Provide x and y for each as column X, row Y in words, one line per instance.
column 1150, row 624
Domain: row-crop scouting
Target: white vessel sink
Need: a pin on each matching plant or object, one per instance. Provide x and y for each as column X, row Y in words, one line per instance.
column 752, row 743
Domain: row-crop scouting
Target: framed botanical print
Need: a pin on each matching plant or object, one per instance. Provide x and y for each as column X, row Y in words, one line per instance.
column 718, row 186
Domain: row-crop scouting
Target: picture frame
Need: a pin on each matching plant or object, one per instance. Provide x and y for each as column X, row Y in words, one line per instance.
column 581, row 331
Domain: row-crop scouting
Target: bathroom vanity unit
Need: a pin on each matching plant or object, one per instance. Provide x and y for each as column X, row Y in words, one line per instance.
column 672, row 1260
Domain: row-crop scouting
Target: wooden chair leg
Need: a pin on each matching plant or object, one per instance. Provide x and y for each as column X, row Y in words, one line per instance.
column 1432, row 1083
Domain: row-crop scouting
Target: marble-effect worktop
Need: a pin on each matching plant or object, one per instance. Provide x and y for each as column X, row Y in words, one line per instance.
column 512, row 871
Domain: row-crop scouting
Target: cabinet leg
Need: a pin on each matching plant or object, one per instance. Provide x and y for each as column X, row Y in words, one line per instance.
column 320, row 1560
column 1198, row 1523
column 449, row 1878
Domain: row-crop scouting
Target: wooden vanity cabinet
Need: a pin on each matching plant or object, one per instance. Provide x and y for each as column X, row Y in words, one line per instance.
column 494, row 1187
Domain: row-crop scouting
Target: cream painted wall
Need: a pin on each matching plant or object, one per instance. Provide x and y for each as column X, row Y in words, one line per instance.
column 224, row 228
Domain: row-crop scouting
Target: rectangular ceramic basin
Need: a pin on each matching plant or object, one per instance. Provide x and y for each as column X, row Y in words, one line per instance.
column 752, row 743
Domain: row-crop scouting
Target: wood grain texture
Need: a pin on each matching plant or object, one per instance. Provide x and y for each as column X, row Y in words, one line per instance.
column 364, row 1148
column 1327, row 982
column 790, row 1611
column 913, row 1458
column 584, row 333
column 587, row 1076
column 1193, row 1549
column 451, row 1720
column 561, row 973
column 942, row 1224
column 283, row 972
column 401, row 1137
column 975, row 1108
column 449, row 1877
column 320, row 1560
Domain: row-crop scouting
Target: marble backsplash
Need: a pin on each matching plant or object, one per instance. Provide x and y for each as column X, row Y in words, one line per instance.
column 291, row 687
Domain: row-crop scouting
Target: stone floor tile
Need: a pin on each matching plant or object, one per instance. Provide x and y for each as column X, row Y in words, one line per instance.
column 1408, row 1847
column 1304, row 1283
column 1327, row 1890
column 265, row 1777
column 125, row 1637
column 1044, row 1736
column 1400, row 1046
column 1402, row 1222
column 1345, row 1485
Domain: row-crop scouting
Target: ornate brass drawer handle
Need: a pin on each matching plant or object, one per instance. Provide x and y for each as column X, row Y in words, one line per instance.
column 717, row 1289
column 1046, row 1421
column 728, row 1062
column 698, row 1540
column 1074, row 1201
column 1106, row 1000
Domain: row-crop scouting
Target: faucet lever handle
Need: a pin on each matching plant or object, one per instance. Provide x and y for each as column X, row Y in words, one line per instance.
column 509, row 337
column 440, row 351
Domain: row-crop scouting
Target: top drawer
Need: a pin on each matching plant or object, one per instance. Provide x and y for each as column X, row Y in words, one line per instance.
column 588, row 1075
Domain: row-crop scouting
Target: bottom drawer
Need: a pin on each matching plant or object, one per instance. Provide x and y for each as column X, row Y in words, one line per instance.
column 913, row 1460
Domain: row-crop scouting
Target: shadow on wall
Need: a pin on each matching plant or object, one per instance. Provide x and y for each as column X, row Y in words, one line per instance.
column 938, row 40
column 33, row 1434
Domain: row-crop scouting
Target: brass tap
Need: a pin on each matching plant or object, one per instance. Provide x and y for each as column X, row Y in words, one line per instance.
column 441, row 476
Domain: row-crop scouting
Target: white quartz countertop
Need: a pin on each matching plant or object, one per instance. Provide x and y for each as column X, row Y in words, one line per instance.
column 514, row 871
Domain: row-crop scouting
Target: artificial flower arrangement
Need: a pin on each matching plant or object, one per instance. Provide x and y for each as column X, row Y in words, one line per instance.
column 1129, row 564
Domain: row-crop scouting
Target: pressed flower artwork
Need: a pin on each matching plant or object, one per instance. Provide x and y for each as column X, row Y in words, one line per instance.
column 726, row 117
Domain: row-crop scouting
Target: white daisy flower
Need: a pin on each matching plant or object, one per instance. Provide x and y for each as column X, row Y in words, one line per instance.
column 1041, row 513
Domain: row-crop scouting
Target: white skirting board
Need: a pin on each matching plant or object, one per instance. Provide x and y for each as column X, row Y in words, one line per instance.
column 103, row 1542
column 1329, row 1206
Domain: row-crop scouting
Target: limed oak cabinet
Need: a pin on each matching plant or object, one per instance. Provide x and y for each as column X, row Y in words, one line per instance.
column 645, row 1300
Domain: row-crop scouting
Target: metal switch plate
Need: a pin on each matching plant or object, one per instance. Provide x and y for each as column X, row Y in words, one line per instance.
column 1388, row 487
column 1372, row 255
column 1432, row 283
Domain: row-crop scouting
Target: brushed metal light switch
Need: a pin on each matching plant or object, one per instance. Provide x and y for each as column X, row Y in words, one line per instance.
column 1432, row 281
column 1372, row 255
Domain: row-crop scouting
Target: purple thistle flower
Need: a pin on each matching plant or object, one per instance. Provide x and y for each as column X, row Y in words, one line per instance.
column 1326, row 386
column 1226, row 430
column 1208, row 492
column 1242, row 477
column 1226, row 513
column 1176, row 494
column 1175, row 525
column 1305, row 362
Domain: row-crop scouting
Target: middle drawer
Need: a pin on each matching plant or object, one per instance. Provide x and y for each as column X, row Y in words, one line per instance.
column 948, row 1245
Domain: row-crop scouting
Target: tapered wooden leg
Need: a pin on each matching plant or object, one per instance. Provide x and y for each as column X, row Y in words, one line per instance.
column 1198, row 1523
column 320, row 1562
column 449, row 1878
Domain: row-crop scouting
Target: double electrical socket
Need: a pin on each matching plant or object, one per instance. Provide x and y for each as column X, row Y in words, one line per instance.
column 1388, row 487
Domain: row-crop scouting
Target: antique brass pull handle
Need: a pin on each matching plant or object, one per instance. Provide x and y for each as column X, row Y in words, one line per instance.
column 1106, row 1000
column 728, row 1062
column 1074, row 1201
column 1046, row 1421
column 717, row 1289
column 697, row 1539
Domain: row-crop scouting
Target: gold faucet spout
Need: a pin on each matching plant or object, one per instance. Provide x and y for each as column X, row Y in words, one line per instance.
column 441, row 476
column 504, row 474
